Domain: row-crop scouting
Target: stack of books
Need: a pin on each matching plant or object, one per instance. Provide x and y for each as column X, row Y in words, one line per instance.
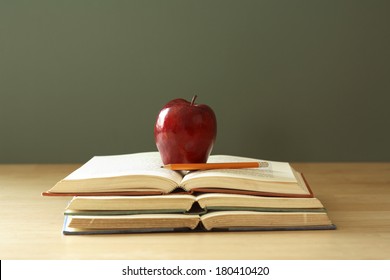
column 134, row 193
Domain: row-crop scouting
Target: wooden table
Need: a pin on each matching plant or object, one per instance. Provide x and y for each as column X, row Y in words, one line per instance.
column 357, row 196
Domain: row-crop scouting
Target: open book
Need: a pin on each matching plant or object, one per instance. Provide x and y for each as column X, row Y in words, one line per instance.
column 184, row 212
column 216, row 221
column 185, row 203
column 142, row 174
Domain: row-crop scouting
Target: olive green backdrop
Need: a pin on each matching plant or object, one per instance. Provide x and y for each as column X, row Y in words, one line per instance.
column 288, row 80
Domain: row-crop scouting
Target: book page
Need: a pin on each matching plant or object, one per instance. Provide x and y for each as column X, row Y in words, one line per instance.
column 137, row 221
column 238, row 200
column 263, row 219
column 160, row 202
column 148, row 164
column 275, row 172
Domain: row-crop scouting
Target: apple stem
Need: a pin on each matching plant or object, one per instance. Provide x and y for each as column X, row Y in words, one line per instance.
column 193, row 99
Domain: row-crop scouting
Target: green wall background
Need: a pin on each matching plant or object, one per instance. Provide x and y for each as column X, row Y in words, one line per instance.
column 288, row 80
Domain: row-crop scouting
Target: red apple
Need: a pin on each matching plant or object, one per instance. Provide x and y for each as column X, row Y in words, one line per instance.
column 185, row 132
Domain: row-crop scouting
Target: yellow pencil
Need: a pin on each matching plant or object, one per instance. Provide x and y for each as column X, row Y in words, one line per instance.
column 219, row 165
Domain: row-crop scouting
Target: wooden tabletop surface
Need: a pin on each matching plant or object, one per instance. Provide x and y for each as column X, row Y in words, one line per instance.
column 357, row 196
